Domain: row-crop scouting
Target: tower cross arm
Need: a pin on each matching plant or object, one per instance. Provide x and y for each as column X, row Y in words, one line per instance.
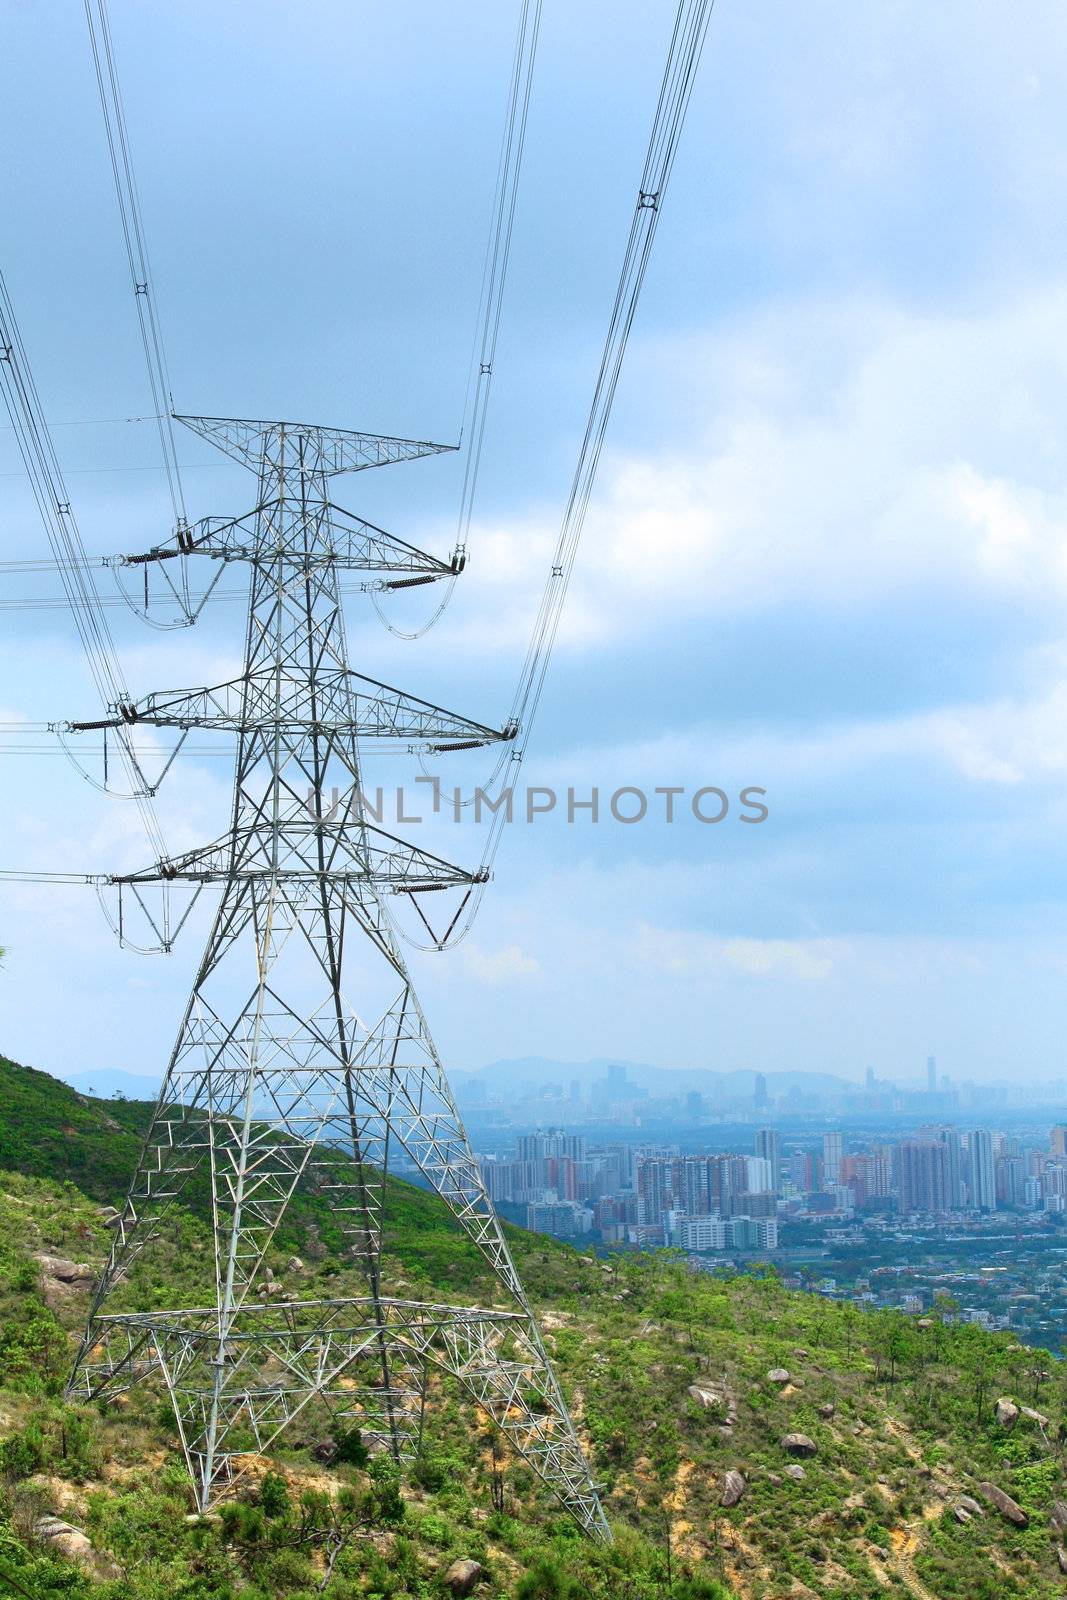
column 380, row 859
column 346, row 704
column 257, row 443
column 326, row 536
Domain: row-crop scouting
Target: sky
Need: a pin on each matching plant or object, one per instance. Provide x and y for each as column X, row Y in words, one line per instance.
column 826, row 555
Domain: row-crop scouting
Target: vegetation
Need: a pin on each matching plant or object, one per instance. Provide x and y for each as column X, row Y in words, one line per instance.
column 668, row 1376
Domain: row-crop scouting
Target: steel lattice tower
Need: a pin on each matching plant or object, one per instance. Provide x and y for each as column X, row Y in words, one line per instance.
column 303, row 1053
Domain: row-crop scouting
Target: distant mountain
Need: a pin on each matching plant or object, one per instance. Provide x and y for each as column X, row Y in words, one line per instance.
column 104, row 1082
column 532, row 1072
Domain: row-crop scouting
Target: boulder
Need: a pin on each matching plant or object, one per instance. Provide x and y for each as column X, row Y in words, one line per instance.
column 1061, row 1557
column 324, row 1450
column 714, row 1400
column 707, row 1399
column 733, row 1487
column 961, row 1514
column 798, row 1444
column 827, row 1412
column 294, row 1264
column 64, row 1537
column 972, row 1507
column 1034, row 1416
column 796, row 1471
column 463, row 1575
column 778, row 1375
column 1057, row 1517
column 66, row 1271
column 1006, row 1413
column 775, row 1477
column 1004, row 1503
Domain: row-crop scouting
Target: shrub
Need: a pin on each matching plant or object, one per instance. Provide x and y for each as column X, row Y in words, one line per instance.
column 546, row 1581
column 274, row 1495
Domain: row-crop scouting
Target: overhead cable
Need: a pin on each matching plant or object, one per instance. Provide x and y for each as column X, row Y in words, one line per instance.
column 683, row 59
column 491, row 300
column 53, row 502
column 144, row 293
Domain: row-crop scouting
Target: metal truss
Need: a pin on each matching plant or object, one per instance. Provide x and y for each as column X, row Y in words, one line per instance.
column 329, row 1353
column 279, row 1079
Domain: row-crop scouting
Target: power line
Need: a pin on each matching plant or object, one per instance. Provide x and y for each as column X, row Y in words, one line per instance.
column 57, row 514
column 683, row 58
column 89, row 422
column 491, row 300
column 133, row 234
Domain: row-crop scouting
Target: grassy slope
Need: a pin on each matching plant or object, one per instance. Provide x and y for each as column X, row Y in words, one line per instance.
column 912, row 1426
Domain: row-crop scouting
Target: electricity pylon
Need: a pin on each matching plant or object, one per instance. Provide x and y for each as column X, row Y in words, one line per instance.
column 303, row 1054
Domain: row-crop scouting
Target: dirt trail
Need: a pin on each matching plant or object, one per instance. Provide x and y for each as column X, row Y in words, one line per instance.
column 905, row 1542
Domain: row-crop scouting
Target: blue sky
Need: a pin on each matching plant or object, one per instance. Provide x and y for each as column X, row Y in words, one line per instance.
column 828, row 550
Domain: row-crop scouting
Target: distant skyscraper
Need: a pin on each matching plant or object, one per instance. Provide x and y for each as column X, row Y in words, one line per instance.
column 759, row 1092
column 923, row 1176
column 758, row 1176
column 832, row 1151
column 872, row 1081
column 694, row 1104
column 931, row 1074
column 983, row 1171
column 1058, row 1141
column 617, row 1084
column 953, row 1168
column 769, row 1148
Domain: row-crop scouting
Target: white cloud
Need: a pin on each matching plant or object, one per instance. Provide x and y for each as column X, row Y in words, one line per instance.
column 497, row 968
column 686, row 952
column 836, row 455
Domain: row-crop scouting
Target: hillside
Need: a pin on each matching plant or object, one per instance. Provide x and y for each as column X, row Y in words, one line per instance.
column 684, row 1388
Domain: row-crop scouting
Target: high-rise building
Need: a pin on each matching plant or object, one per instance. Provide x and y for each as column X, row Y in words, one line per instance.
column 690, row 1186
column 654, row 1190
column 931, row 1074
column 1010, row 1178
column 769, row 1149
column 758, row 1176
column 832, row 1151
column 872, row 1081
column 759, row 1092
column 1057, row 1142
column 954, row 1186
column 702, row 1233
column 983, row 1185
column 802, row 1172
column 923, row 1176
column 694, row 1105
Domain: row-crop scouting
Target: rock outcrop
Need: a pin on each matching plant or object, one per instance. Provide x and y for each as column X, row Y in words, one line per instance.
column 463, row 1576
column 1005, row 1504
column 798, row 1444
column 733, row 1487
column 1006, row 1413
column 719, row 1401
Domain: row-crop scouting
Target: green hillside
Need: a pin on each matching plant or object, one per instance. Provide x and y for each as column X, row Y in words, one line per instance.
column 683, row 1386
